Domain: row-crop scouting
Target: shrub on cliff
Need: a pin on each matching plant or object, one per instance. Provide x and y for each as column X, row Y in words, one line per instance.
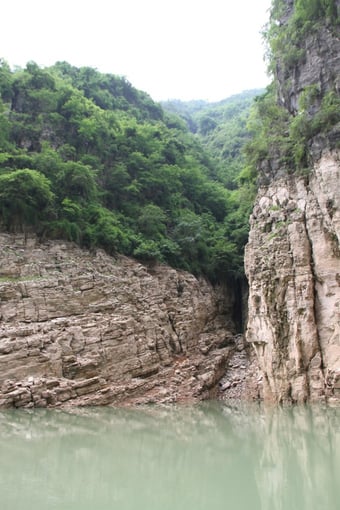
column 25, row 198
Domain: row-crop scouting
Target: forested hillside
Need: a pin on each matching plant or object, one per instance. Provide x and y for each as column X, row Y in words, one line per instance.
column 86, row 157
column 222, row 129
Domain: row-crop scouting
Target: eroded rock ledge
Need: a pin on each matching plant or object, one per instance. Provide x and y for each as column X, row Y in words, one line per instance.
column 87, row 329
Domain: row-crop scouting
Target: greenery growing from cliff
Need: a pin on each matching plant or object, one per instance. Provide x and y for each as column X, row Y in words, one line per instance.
column 285, row 37
column 86, row 157
column 285, row 133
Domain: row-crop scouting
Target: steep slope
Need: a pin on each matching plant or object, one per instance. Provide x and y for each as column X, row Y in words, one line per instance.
column 293, row 258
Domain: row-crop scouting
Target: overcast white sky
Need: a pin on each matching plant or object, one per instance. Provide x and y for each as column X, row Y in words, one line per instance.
column 186, row 49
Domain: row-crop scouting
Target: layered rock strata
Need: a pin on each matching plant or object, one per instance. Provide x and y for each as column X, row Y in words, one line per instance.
column 79, row 328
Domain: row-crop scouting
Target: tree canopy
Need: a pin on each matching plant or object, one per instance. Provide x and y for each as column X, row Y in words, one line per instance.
column 86, row 157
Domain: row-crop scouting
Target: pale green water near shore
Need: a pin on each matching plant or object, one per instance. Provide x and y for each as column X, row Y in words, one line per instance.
column 208, row 457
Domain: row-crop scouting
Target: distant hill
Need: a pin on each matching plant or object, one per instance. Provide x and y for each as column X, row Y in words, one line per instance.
column 221, row 128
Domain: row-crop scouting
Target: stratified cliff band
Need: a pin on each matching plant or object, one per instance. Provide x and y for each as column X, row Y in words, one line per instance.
column 81, row 328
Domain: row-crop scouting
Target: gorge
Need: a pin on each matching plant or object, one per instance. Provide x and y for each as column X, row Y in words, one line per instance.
column 117, row 191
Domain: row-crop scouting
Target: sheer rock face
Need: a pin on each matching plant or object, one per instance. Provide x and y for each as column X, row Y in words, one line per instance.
column 293, row 267
column 319, row 64
column 85, row 329
column 293, row 259
column 318, row 67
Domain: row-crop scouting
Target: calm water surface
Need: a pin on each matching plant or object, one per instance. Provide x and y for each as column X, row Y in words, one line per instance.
column 208, row 457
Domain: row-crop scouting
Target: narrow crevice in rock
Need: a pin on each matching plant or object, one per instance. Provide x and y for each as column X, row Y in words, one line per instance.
column 314, row 304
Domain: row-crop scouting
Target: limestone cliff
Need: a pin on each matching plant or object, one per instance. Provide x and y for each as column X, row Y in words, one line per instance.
column 293, row 258
column 80, row 328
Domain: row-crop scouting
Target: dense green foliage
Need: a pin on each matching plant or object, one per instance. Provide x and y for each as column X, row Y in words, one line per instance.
column 86, row 157
column 222, row 129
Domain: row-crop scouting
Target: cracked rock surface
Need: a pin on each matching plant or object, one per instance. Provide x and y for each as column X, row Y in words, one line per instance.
column 293, row 266
column 292, row 259
column 80, row 328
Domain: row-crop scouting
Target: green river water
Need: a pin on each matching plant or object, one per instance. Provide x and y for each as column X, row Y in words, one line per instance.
column 213, row 456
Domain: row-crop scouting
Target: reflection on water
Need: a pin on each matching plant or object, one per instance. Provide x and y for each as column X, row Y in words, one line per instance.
column 211, row 457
